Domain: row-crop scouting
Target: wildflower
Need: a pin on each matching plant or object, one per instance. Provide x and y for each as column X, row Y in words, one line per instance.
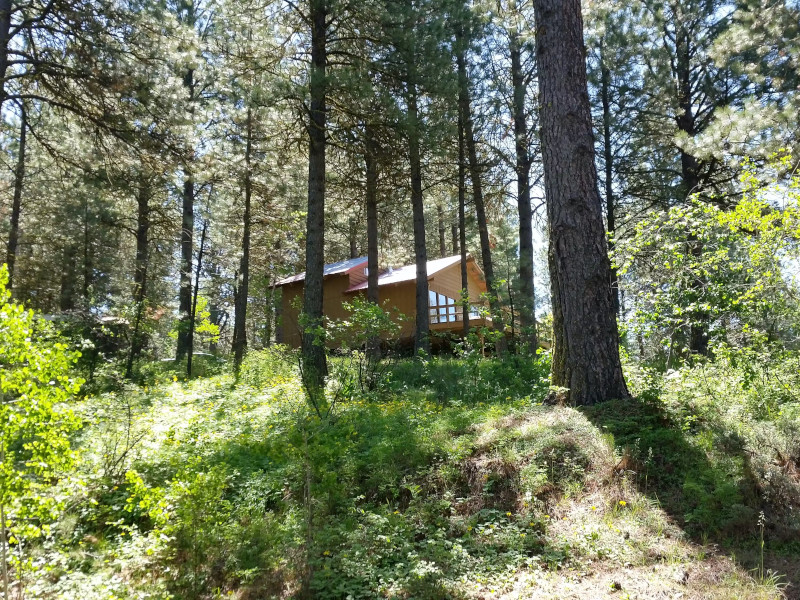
column 326, row 553
column 622, row 503
column 508, row 514
column 547, row 516
column 594, row 508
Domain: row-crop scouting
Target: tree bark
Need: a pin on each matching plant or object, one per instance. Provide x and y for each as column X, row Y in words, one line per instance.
column 371, row 197
column 187, row 218
column 66, row 299
column 16, row 207
column 442, row 244
column 608, row 158
column 422, row 330
column 190, row 350
column 477, row 196
column 5, row 39
column 185, row 291
column 88, row 270
column 243, row 287
column 454, row 234
column 586, row 351
column 527, row 292
column 313, row 348
column 462, row 226
column 690, row 175
column 140, row 272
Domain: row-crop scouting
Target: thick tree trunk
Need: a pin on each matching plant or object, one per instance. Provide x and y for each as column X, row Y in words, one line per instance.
column 527, row 292
column 608, row 158
column 477, row 196
column 586, row 341
column 140, row 271
column 185, row 291
column 462, row 226
column 187, row 210
column 314, row 360
column 243, row 286
column 422, row 330
column 5, row 33
column 371, row 197
column 16, row 206
column 690, row 175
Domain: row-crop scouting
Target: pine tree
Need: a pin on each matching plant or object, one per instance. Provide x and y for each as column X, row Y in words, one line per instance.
column 586, row 355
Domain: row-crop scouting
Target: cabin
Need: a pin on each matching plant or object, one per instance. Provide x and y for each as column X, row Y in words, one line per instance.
column 344, row 280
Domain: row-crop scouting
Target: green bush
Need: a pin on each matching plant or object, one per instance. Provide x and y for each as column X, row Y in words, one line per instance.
column 262, row 368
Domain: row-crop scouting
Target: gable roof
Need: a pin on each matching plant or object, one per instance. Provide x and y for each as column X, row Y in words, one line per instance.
column 338, row 268
column 409, row 272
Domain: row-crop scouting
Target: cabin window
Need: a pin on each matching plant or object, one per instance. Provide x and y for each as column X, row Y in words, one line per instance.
column 444, row 309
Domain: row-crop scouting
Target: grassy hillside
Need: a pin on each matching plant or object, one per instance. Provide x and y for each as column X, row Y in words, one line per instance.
column 450, row 481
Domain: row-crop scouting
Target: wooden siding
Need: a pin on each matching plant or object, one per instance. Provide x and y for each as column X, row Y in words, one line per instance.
column 401, row 296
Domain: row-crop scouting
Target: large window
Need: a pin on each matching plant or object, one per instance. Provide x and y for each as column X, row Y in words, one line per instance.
column 444, row 309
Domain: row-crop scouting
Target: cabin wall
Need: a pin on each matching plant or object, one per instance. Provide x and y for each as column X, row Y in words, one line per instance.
column 448, row 282
column 401, row 296
column 333, row 298
column 291, row 294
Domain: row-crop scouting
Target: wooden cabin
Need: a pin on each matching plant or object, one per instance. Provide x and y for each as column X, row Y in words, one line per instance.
column 346, row 279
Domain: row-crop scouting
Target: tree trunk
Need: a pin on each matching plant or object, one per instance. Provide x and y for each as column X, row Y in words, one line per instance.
column 187, row 218
column 586, row 341
column 190, row 350
column 88, row 274
column 442, row 244
column 313, row 348
column 462, row 227
column 422, row 330
column 352, row 227
column 67, row 296
column 477, row 195
column 140, row 272
column 5, row 39
column 527, row 308
column 371, row 197
column 608, row 158
column 454, row 235
column 185, row 291
column 690, row 175
column 243, row 286
column 16, row 207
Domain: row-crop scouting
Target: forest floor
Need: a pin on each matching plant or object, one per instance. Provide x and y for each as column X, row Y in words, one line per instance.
column 453, row 481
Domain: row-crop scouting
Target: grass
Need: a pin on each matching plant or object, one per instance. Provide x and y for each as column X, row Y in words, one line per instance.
column 450, row 481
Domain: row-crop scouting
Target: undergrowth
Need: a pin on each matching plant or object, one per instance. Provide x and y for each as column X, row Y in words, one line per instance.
column 448, row 480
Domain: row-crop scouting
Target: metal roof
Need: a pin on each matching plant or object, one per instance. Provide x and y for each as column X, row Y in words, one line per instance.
column 337, row 268
column 409, row 272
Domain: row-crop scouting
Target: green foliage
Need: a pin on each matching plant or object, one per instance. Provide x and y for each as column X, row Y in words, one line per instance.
column 731, row 268
column 367, row 326
column 265, row 368
column 205, row 330
column 35, row 422
column 449, row 483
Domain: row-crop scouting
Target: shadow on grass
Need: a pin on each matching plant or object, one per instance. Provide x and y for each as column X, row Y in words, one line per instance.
column 716, row 500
